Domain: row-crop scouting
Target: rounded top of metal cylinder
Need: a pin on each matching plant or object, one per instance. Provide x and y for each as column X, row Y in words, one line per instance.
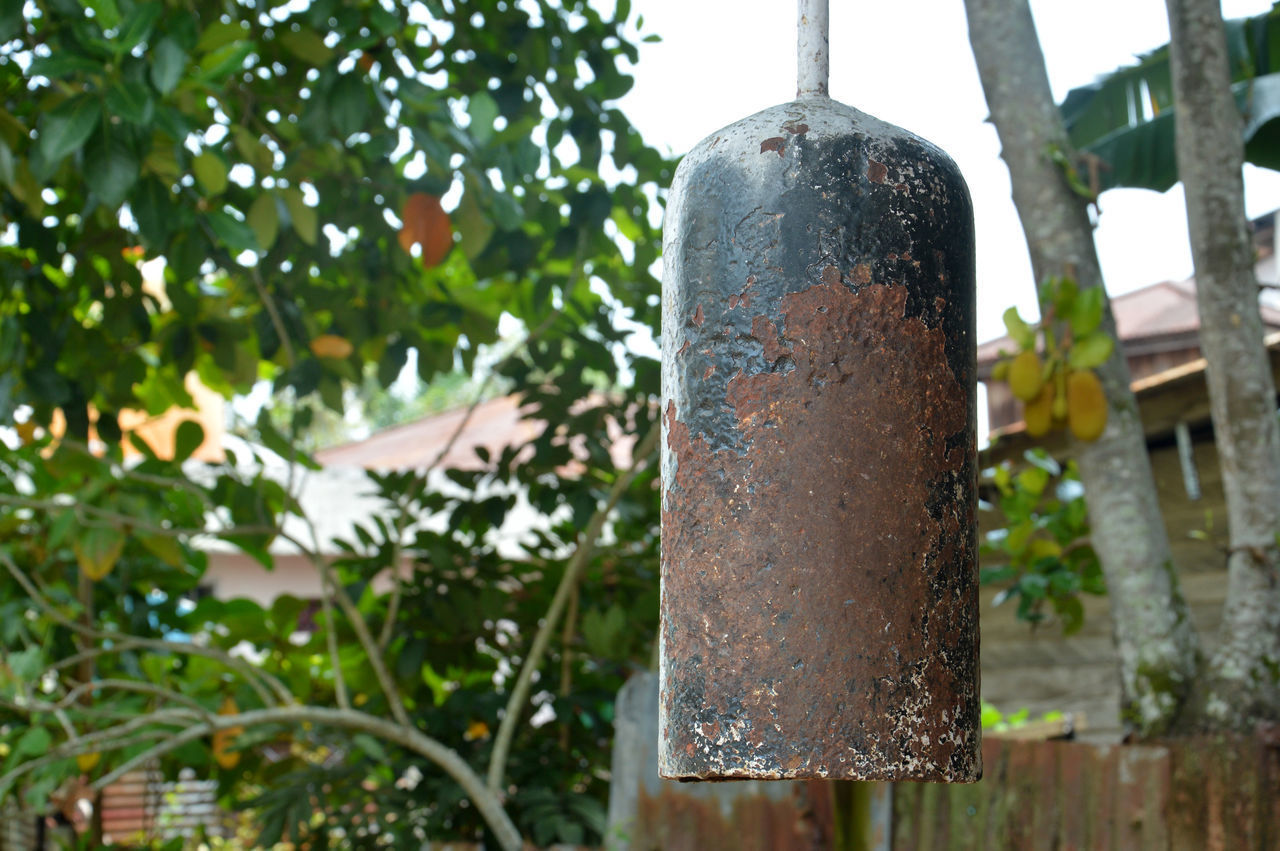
column 783, row 129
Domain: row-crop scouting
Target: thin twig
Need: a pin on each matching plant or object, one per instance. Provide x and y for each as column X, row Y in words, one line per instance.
column 331, row 637
column 566, row 659
column 116, row 520
column 397, row 583
column 586, row 543
column 361, row 628
column 273, row 313
column 130, row 685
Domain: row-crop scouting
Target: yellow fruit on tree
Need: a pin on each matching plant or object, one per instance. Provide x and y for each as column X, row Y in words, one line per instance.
column 1026, row 375
column 86, row 762
column 1038, row 413
column 224, row 739
column 27, row 432
column 1060, row 396
column 331, row 346
column 1086, row 405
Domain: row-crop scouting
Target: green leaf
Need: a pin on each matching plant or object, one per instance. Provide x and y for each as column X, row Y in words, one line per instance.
column 59, row 66
column 105, row 12
column 12, row 22
column 211, row 172
column 68, row 126
column 219, row 64
column 219, row 34
column 482, row 109
column 152, row 206
column 264, row 220
column 252, row 150
column 168, row 61
column 308, row 45
column 187, row 439
column 1042, row 459
column 137, row 26
column 1091, row 351
column 1064, row 297
column 27, row 664
column 165, row 548
column 1071, row 612
column 35, row 742
column 996, row 575
column 1087, row 314
column 1016, row 542
column 1019, row 330
column 348, row 105
column 111, row 169
column 371, row 746
column 1033, row 480
column 473, row 226
column 98, row 549
column 234, row 234
column 6, row 164
column 302, row 216
column 132, row 102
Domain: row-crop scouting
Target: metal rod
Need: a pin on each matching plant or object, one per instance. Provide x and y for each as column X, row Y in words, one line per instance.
column 814, row 50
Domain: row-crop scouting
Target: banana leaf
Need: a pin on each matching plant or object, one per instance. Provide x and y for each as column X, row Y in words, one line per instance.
column 1126, row 118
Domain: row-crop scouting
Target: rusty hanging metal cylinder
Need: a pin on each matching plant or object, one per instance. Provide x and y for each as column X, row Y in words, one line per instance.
column 819, row 577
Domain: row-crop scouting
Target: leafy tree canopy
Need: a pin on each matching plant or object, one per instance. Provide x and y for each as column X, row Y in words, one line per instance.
column 330, row 186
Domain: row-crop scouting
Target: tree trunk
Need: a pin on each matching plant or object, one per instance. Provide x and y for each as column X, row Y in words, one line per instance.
column 1242, row 685
column 1155, row 641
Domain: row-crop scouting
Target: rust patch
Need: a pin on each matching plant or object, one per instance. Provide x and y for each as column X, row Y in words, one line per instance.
column 777, row 143
column 876, row 172
column 684, row 347
column 711, row 370
column 698, row 317
column 819, row 596
column 830, row 275
column 796, row 128
column 767, row 333
column 862, row 274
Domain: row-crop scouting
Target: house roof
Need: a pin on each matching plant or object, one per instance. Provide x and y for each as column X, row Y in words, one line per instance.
column 494, row 424
column 1157, row 317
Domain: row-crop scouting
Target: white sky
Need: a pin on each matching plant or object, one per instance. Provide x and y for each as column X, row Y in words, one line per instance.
column 909, row 62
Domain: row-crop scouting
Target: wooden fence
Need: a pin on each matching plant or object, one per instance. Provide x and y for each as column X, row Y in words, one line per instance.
column 140, row 807
column 1210, row 794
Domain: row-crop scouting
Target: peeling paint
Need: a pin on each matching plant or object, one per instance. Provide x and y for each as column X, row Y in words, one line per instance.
column 776, row 143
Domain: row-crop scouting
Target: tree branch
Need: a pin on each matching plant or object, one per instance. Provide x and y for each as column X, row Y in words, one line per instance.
column 122, row 641
column 446, row 758
column 520, row 692
column 116, row 520
column 361, row 629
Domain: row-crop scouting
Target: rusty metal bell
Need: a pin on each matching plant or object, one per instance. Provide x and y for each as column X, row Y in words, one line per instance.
column 819, row 577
